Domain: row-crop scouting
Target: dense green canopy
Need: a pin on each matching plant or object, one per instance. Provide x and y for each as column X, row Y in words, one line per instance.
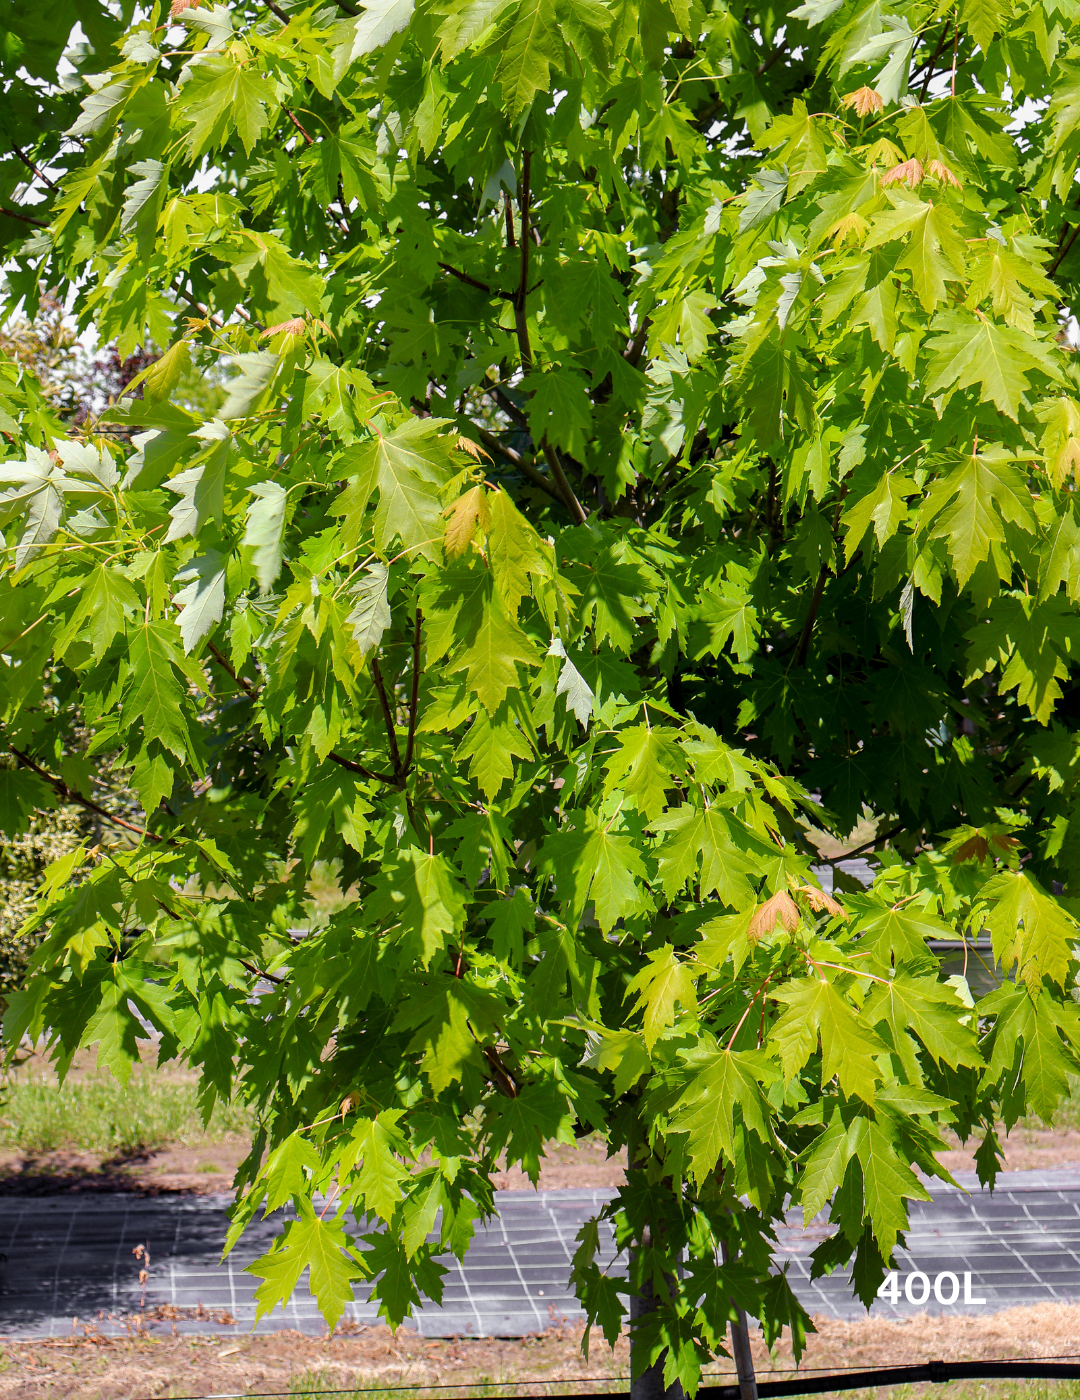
column 650, row 442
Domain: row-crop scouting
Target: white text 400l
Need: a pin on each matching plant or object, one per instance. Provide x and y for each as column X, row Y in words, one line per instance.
column 946, row 1289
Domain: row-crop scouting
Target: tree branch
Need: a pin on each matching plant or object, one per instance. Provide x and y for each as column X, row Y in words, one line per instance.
column 23, row 218
column 288, row 110
column 636, row 346
column 933, row 59
column 364, row 772
column 274, row 10
column 224, row 662
column 508, row 406
column 31, row 166
column 474, row 282
column 388, row 719
column 521, row 323
column 414, row 695
column 566, row 491
column 522, row 464
column 1061, row 256
column 61, row 788
column 808, row 626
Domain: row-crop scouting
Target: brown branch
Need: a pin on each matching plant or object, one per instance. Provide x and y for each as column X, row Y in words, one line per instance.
column 508, row 406
column 566, row 491
column 388, row 718
column 474, row 282
column 808, row 626
column 414, row 696
column 288, row 110
column 1061, row 256
column 280, row 13
column 933, row 59
column 508, row 209
column 521, row 323
column 364, row 772
column 257, row 972
column 522, row 464
column 224, row 662
column 503, row 1077
column 866, row 846
column 31, row 166
column 61, row 788
column 636, row 346
column 777, row 53
column 24, row 218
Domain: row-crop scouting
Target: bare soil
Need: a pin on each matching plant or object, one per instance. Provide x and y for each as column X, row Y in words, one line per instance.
column 88, row 1366
column 585, row 1165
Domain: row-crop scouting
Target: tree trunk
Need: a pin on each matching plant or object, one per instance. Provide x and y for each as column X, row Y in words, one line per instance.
column 740, row 1348
column 650, row 1384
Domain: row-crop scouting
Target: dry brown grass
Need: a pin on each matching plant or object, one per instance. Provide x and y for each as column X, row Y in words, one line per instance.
column 90, row 1367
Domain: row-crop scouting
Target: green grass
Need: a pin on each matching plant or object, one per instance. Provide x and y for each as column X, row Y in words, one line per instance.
column 96, row 1114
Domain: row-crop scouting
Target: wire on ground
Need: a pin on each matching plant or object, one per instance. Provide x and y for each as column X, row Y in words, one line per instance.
column 940, row 1372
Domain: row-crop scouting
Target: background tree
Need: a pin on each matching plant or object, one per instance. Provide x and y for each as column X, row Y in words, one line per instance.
column 650, row 442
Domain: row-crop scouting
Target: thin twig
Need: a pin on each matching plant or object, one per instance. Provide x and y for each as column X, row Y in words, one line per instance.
column 388, row 718
column 508, row 406
column 224, row 662
column 359, row 768
column 24, row 218
column 31, row 166
column 566, row 491
column 516, row 460
column 291, row 114
column 414, row 695
column 60, row 787
column 520, row 320
column 274, row 10
column 934, row 58
column 808, row 626
column 1060, row 257
column 866, row 846
column 258, row 972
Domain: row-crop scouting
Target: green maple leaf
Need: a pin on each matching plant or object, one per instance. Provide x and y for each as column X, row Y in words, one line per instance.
column 408, row 466
column 1023, row 637
column 1028, row 927
column 825, row 1164
column 983, row 19
column 223, row 96
column 202, row 599
column 706, row 1109
column 971, row 350
column 264, row 529
column 727, row 616
column 935, row 252
column 370, row 616
column 492, row 744
column 593, row 860
column 895, row 935
column 491, row 653
column 516, row 551
column 967, row 507
column 732, row 859
column 887, row 1181
column 396, row 1287
column 106, row 600
column 447, row 1016
column 884, row 508
column 931, row 1010
column 663, row 981
column 153, row 699
column 528, row 44
column 816, row 1007
column 201, row 488
column 290, row 1170
column 377, row 25
column 419, row 895
column 307, row 1244
column 374, row 1141
column 644, row 766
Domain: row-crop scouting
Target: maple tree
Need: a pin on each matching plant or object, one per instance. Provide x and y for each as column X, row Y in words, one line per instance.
column 651, row 440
